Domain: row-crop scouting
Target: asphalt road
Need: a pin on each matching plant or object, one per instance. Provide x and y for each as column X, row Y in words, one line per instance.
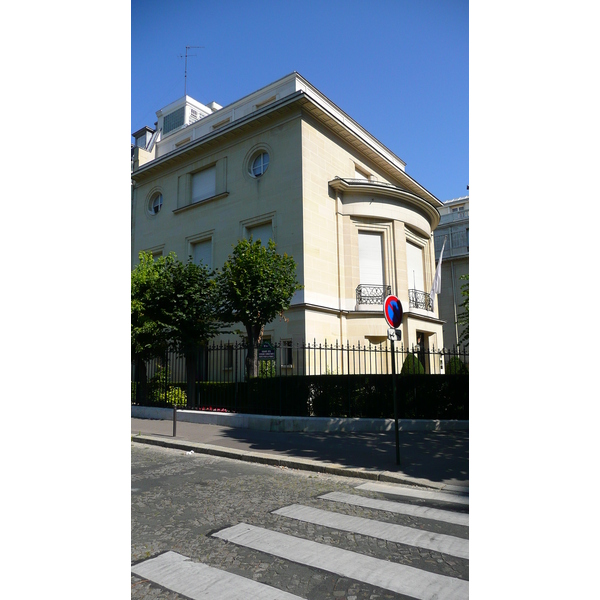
column 193, row 505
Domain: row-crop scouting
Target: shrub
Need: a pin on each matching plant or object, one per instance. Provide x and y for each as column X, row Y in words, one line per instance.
column 266, row 368
column 176, row 396
column 412, row 366
column 158, row 383
column 456, row 366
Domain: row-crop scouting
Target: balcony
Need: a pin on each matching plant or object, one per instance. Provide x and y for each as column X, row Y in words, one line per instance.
column 459, row 215
column 372, row 294
column 421, row 300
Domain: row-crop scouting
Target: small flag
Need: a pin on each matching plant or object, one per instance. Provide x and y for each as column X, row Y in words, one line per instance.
column 436, row 288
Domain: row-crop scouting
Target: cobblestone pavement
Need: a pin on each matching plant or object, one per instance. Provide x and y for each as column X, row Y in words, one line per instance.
column 179, row 499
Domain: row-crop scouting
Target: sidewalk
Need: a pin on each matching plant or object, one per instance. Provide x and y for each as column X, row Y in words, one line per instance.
column 434, row 459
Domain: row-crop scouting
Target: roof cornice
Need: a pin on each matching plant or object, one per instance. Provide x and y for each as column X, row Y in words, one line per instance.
column 377, row 188
column 313, row 102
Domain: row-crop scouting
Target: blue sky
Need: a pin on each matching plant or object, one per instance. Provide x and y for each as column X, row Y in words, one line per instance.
column 400, row 68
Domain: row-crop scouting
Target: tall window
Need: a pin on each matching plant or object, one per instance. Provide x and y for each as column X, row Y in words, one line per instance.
column 202, row 253
column 414, row 256
column 204, row 184
column 370, row 257
column 287, row 358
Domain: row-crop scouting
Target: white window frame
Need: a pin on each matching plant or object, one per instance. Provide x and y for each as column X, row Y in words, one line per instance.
column 262, row 166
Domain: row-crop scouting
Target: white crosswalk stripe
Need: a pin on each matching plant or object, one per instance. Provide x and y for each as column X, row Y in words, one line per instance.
column 196, row 580
column 446, row 544
column 395, row 577
column 424, row 512
column 199, row 581
column 413, row 493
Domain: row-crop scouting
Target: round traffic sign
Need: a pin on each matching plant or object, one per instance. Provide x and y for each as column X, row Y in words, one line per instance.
column 392, row 311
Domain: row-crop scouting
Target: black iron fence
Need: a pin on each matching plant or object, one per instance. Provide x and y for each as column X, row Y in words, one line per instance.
column 331, row 380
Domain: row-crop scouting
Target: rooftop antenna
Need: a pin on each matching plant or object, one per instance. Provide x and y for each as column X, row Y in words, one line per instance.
column 186, row 57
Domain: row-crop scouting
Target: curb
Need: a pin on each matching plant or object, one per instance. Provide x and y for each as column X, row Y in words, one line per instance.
column 296, row 424
column 297, row 463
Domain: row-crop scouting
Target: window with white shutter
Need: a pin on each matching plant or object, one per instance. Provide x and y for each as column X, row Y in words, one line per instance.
column 202, row 253
column 414, row 256
column 370, row 258
column 204, row 184
column 263, row 232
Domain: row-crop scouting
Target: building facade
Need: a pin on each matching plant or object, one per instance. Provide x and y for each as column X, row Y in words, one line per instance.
column 454, row 228
column 286, row 163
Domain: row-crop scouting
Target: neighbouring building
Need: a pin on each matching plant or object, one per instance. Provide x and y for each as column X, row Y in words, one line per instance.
column 454, row 228
column 286, row 163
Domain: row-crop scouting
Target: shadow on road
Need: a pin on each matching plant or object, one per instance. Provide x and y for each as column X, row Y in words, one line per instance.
column 437, row 456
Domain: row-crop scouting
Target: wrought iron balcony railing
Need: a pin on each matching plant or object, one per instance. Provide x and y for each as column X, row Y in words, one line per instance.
column 418, row 299
column 372, row 294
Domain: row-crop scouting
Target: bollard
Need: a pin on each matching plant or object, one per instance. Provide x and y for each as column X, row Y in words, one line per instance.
column 174, row 419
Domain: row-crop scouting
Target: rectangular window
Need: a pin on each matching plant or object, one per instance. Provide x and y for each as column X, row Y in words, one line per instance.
column 173, row 120
column 228, row 357
column 202, row 253
column 287, row 358
column 263, row 232
column 370, row 258
column 459, row 239
column 414, row 257
column 204, row 184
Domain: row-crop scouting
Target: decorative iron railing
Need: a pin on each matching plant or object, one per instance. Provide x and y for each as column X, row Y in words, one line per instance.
column 418, row 299
column 310, row 379
column 372, row 294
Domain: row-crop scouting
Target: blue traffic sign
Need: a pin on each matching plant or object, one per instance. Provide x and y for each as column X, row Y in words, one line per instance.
column 392, row 311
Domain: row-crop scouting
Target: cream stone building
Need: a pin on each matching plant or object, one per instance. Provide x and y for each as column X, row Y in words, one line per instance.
column 286, row 163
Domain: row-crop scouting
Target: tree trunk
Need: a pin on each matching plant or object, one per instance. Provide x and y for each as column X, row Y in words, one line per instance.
column 255, row 335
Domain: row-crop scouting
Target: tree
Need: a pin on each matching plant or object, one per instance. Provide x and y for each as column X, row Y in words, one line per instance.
column 173, row 306
column 149, row 332
column 255, row 285
column 463, row 317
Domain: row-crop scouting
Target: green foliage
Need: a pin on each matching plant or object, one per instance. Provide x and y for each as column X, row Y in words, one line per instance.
column 158, row 383
column 267, row 368
column 149, row 332
column 456, row 366
column 412, row 365
column 463, row 317
column 173, row 305
column 254, row 287
column 176, row 396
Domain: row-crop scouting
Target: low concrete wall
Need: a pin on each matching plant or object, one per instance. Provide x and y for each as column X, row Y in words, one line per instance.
column 309, row 424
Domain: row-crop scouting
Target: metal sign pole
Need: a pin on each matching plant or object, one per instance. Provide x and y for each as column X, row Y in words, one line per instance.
column 395, row 403
column 392, row 311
